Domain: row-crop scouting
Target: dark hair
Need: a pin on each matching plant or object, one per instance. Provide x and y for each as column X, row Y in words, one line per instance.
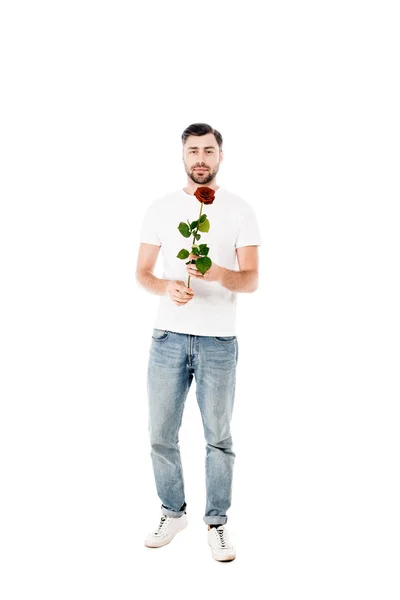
column 201, row 129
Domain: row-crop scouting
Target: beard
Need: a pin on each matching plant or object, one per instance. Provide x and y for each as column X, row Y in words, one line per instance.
column 201, row 178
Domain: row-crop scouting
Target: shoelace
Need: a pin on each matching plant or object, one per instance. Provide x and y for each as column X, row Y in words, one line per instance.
column 221, row 538
column 163, row 522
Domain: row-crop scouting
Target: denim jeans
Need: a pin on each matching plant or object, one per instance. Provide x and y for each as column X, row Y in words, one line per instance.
column 174, row 359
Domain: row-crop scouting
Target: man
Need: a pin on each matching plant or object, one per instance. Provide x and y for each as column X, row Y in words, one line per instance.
column 195, row 333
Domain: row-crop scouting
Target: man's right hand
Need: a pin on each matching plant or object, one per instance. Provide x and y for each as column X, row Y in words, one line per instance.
column 179, row 293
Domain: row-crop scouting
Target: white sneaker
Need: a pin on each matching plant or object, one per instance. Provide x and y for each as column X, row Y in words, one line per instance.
column 221, row 546
column 166, row 530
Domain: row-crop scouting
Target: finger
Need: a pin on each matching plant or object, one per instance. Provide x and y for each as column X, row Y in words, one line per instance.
column 184, row 291
column 182, row 302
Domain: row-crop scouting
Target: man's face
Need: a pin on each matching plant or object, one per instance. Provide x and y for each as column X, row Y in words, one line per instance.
column 202, row 151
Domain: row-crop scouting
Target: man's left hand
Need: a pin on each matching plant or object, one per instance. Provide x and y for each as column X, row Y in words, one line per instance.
column 213, row 273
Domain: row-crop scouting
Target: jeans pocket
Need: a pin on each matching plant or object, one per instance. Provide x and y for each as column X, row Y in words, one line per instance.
column 159, row 335
column 229, row 338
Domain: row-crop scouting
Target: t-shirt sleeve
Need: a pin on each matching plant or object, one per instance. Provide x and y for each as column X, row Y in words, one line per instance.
column 149, row 231
column 249, row 231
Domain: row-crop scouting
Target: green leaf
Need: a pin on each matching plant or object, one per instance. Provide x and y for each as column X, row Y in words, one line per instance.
column 197, row 236
column 202, row 218
column 203, row 264
column 183, row 253
column 204, row 226
column 184, row 229
column 196, row 251
column 193, row 224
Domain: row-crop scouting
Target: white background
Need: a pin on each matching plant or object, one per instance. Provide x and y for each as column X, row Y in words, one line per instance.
column 95, row 97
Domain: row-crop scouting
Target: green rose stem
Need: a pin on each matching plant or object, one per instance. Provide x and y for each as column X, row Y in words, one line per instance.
column 194, row 235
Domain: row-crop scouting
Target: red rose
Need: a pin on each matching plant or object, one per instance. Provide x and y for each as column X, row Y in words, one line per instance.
column 205, row 194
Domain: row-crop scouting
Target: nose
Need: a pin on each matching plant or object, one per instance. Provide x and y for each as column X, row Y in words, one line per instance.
column 201, row 161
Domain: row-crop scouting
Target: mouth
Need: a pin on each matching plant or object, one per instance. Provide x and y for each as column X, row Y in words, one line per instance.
column 201, row 170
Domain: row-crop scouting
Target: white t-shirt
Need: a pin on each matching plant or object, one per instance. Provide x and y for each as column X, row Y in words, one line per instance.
column 233, row 224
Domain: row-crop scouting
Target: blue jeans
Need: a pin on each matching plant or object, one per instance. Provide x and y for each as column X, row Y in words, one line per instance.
column 174, row 359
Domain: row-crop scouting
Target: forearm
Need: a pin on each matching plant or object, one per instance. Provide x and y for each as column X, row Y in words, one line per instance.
column 151, row 283
column 238, row 281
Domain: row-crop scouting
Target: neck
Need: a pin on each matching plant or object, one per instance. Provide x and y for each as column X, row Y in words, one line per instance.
column 191, row 187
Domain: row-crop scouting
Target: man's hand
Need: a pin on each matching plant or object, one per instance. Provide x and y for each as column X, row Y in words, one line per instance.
column 179, row 293
column 213, row 274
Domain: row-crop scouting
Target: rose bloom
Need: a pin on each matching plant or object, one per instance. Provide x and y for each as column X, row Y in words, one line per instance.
column 205, row 194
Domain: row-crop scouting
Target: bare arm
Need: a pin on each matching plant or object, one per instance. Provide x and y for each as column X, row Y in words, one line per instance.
column 245, row 280
column 177, row 290
column 146, row 261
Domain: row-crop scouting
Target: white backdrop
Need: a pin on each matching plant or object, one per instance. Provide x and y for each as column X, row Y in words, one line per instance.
column 95, row 97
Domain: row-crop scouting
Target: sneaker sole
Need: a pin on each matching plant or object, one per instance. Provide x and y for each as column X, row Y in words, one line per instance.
column 224, row 558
